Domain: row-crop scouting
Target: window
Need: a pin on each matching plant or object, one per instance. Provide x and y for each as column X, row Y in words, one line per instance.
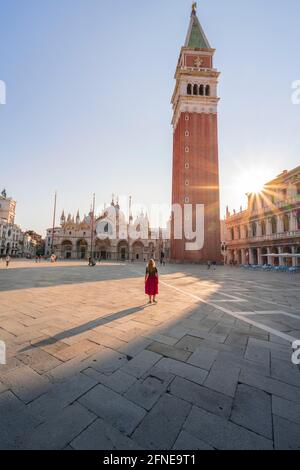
column 254, row 229
column 195, row 90
column 286, row 223
column 187, row 117
column 187, row 166
column 187, row 183
column 232, row 233
column 207, row 90
column 189, row 89
column 187, row 134
column 201, row 90
column 187, row 149
column 186, row 200
column 274, row 225
column 263, row 227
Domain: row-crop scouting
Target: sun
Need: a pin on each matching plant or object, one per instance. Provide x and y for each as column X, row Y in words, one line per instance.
column 252, row 181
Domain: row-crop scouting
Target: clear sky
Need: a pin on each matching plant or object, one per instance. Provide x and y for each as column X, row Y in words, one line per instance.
column 89, row 84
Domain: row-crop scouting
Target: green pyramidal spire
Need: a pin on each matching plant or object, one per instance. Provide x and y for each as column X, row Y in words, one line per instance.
column 196, row 38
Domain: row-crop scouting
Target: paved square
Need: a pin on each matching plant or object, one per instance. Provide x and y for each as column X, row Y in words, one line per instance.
column 91, row 366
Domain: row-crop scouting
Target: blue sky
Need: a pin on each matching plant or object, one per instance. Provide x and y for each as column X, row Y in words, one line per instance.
column 89, row 84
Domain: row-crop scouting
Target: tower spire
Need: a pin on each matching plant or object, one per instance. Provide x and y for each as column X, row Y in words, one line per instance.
column 196, row 38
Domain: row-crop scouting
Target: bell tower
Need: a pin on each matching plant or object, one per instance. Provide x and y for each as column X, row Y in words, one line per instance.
column 195, row 143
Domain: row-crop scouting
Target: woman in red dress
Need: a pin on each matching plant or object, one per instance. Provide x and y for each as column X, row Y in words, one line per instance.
column 151, row 281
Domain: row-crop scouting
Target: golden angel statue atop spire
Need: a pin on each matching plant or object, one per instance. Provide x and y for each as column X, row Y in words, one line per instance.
column 194, row 8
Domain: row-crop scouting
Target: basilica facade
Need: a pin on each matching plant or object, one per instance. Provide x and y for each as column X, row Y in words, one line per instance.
column 109, row 236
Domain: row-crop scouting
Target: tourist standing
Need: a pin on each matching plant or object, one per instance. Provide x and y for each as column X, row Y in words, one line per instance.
column 7, row 259
column 151, row 281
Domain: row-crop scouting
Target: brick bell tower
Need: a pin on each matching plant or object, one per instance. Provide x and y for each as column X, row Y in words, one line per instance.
column 195, row 144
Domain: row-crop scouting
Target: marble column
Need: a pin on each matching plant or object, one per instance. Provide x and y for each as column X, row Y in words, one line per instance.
column 295, row 260
column 270, row 258
column 281, row 258
column 259, row 256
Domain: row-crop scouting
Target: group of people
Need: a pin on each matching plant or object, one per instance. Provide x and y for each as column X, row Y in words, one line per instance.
column 211, row 264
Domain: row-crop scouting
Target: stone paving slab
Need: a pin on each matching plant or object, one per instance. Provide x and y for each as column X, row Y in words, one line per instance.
column 119, row 381
column 58, row 432
column 203, row 357
column 26, row 383
column 169, row 351
column 222, row 434
column 147, row 392
column 286, row 409
column 269, row 385
column 141, row 363
column 101, row 436
column 286, row 434
column 113, row 408
column 202, row 397
column 162, row 425
column 187, row 441
column 111, row 372
column 181, row 369
column 252, row 409
column 223, row 379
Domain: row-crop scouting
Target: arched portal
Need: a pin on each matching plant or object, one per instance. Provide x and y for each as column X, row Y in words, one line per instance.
column 82, row 249
column 123, row 250
column 66, row 249
column 102, row 250
column 288, row 260
column 138, row 251
column 264, row 255
column 275, row 259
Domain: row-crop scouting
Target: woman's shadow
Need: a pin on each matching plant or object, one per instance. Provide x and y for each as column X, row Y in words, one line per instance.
column 86, row 327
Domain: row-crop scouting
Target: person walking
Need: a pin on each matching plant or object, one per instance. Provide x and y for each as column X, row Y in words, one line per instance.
column 162, row 259
column 151, row 281
column 7, row 259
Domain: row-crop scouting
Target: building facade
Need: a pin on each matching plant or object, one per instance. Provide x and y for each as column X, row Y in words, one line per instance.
column 107, row 237
column 13, row 241
column 10, row 239
column 195, row 178
column 7, row 208
column 268, row 232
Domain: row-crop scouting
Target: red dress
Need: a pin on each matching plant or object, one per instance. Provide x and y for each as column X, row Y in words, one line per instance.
column 151, row 285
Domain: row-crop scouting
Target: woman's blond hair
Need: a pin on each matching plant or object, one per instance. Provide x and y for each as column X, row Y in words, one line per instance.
column 151, row 265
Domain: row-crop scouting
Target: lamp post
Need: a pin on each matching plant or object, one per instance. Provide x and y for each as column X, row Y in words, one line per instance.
column 92, row 227
column 53, row 225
